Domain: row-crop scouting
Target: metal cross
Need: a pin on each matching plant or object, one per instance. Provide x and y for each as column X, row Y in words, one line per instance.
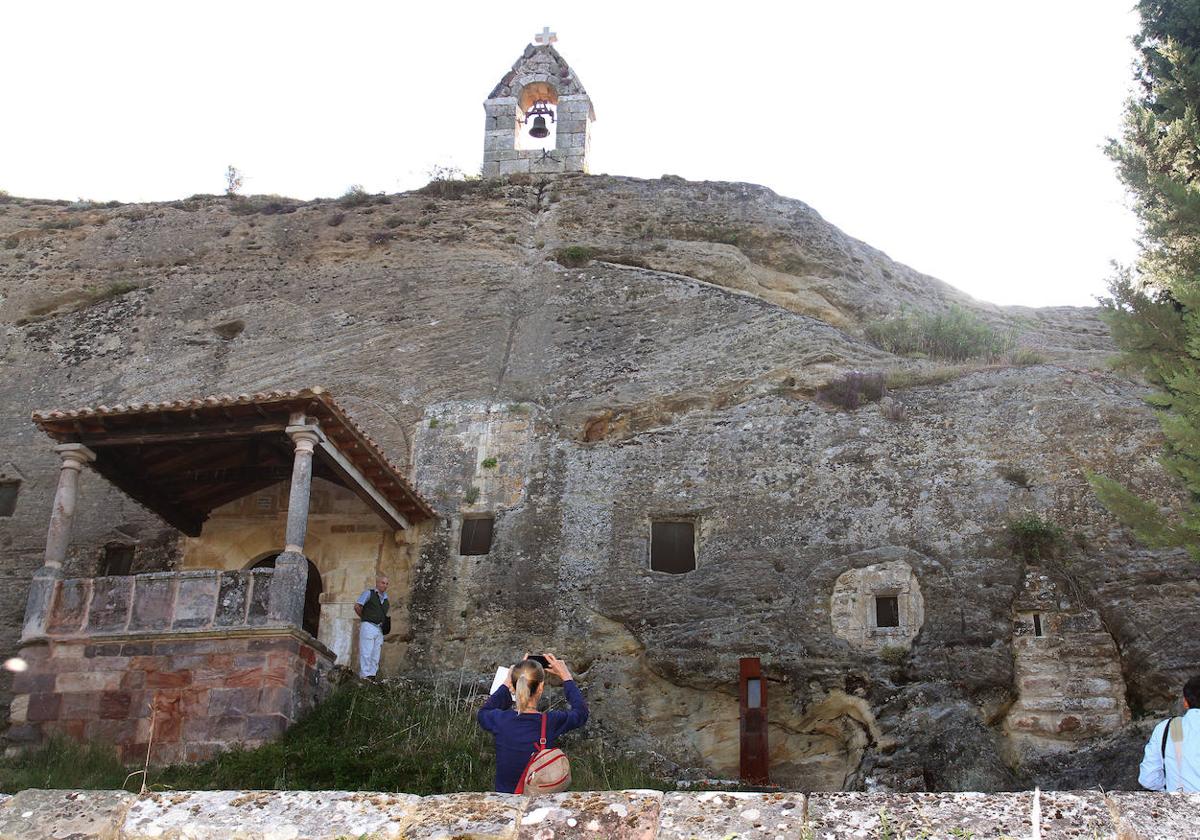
column 545, row 36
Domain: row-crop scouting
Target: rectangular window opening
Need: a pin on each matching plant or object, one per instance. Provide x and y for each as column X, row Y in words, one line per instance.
column 1037, row 625
column 673, row 547
column 754, row 694
column 8, row 497
column 476, row 535
column 887, row 611
column 118, row 560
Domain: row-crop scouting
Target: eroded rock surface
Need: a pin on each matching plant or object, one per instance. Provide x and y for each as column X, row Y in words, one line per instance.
column 673, row 377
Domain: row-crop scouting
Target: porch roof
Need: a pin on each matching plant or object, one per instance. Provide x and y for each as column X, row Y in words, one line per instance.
column 185, row 458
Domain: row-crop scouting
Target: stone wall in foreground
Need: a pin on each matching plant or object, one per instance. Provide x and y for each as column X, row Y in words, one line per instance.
column 612, row 815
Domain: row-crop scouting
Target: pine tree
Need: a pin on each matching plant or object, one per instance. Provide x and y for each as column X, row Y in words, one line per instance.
column 1154, row 311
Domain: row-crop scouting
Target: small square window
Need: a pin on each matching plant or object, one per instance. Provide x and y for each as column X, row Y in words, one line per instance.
column 118, row 560
column 887, row 611
column 673, row 547
column 8, row 497
column 476, row 535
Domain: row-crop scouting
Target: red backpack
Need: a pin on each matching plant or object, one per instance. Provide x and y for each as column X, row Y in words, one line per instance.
column 548, row 770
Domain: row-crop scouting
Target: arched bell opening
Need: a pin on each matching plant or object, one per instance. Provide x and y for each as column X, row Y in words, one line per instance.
column 538, row 117
column 312, row 593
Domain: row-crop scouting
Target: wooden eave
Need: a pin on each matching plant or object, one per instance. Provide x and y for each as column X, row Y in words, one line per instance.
column 183, row 459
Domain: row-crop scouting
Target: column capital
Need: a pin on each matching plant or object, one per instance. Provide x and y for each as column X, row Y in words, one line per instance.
column 305, row 437
column 74, row 455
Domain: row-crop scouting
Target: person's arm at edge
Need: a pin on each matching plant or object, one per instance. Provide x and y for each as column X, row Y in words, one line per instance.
column 577, row 715
column 362, row 599
column 1152, row 775
column 500, row 701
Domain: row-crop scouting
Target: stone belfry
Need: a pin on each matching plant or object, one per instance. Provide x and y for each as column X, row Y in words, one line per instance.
column 539, row 116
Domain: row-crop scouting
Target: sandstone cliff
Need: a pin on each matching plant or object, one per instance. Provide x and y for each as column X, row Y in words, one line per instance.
column 671, row 376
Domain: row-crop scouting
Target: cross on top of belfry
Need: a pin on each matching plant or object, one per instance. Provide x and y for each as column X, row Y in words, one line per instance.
column 545, row 36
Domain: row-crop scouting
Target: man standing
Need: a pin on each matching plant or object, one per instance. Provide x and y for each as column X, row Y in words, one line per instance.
column 1172, row 758
column 372, row 608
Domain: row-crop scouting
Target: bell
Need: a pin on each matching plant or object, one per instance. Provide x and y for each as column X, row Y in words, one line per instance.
column 539, row 129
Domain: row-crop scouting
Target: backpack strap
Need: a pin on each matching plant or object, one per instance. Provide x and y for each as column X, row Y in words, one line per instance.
column 1176, row 727
column 538, row 746
column 1166, row 731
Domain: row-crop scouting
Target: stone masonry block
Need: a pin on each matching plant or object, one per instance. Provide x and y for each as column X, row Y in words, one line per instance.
column 232, row 599
column 196, row 603
column 486, row 816
column 88, row 681
column 112, row 598
column 833, row 816
column 216, row 815
column 1143, row 816
column 70, row 607
column 699, row 816
column 512, row 167
column 614, row 815
column 153, row 600
column 77, row 814
column 260, row 596
column 18, row 709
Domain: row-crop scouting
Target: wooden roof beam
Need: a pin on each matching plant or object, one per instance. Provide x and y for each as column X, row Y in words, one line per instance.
column 362, row 487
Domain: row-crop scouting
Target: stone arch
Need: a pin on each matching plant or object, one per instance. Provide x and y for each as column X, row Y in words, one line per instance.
column 312, row 590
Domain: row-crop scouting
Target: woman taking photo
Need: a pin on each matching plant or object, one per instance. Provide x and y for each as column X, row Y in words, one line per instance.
column 518, row 731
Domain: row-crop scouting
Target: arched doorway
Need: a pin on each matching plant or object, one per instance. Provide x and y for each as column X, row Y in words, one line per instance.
column 312, row 593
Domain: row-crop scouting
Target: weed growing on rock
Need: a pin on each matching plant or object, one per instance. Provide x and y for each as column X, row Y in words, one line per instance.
column 1034, row 539
column 893, row 654
column 1025, row 357
column 854, row 389
column 471, row 496
column 955, row 335
column 574, row 256
column 1014, row 475
column 433, row 422
column 61, row 224
column 892, row 410
column 488, row 463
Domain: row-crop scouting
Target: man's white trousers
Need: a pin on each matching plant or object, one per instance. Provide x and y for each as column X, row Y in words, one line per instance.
column 370, row 642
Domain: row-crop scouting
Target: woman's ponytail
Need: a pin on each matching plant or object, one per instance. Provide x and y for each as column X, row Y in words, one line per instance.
column 527, row 678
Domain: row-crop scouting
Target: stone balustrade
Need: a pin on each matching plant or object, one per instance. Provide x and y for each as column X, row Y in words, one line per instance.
column 611, row 815
column 160, row 602
column 176, row 666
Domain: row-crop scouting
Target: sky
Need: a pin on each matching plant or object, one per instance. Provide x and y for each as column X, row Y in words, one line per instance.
column 963, row 139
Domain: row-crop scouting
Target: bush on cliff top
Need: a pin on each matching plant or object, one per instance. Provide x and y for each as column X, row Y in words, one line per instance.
column 955, row 335
column 396, row 737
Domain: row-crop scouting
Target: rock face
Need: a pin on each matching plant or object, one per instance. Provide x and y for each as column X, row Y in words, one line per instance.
column 671, row 379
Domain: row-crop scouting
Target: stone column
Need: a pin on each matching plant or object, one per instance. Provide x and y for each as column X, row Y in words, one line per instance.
column 291, row 567
column 58, row 538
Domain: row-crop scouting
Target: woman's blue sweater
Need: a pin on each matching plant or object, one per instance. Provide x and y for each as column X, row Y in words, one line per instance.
column 517, row 734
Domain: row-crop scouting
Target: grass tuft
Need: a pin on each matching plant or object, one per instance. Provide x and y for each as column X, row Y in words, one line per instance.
column 398, row 736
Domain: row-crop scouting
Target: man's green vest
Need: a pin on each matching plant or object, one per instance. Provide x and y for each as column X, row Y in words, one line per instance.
column 376, row 609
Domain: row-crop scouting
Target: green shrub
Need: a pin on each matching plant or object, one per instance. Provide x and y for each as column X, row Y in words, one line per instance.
column 955, row 335
column 471, row 496
column 354, row 196
column 1033, row 538
column 574, row 256
column 893, row 654
column 489, row 463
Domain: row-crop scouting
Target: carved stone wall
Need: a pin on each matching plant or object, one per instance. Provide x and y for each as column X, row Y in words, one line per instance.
column 853, row 605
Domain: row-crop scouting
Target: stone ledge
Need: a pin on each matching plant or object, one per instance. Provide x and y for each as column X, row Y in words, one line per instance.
column 599, row 815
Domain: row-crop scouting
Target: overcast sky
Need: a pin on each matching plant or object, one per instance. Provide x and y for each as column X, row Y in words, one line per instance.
column 962, row 138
